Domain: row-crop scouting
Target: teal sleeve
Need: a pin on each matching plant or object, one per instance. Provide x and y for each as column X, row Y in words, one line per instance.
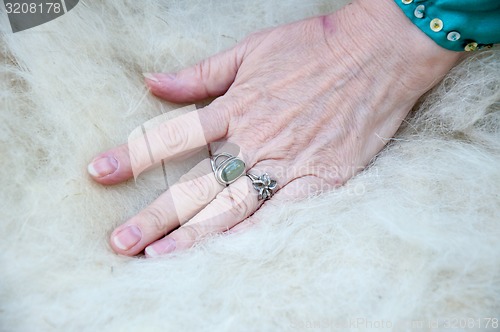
column 457, row 25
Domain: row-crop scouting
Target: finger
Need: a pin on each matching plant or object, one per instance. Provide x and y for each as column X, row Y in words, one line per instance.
column 235, row 203
column 211, row 77
column 173, row 208
column 112, row 166
column 252, row 220
column 172, row 138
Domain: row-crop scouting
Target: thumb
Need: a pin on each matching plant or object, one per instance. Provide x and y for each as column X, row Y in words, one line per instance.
column 211, row 77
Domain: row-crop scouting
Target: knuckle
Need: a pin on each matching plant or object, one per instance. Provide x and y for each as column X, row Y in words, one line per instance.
column 237, row 201
column 155, row 218
column 173, row 137
column 193, row 233
column 253, row 39
column 199, row 190
column 203, row 70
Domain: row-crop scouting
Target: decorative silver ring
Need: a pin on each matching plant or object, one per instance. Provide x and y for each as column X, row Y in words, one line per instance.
column 264, row 185
column 227, row 168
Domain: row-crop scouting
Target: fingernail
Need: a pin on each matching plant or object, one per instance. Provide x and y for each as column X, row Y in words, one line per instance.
column 158, row 77
column 150, row 77
column 127, row 237
column 161, row 247
column 103, row 166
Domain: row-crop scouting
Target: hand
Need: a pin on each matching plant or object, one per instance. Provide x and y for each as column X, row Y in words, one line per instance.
column 309, row 103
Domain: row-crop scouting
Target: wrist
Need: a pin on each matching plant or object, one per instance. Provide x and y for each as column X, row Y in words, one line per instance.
column 394, row 23
column 381, row 29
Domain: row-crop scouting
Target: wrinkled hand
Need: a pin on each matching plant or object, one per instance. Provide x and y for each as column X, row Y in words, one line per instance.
column 309, row 103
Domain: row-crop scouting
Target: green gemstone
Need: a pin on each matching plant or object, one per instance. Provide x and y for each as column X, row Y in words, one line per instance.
column 233, row 170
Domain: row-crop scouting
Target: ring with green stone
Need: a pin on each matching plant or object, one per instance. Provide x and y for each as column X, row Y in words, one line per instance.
column 227, row 168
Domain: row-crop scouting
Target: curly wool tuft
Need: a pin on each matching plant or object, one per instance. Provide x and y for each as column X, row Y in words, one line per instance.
column 413, row 239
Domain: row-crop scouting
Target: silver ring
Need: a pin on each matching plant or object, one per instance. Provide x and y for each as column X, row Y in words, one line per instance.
column 227, row 170
column 264, row 185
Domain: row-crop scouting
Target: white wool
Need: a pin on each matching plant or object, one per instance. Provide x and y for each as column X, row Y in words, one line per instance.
column 415, row 237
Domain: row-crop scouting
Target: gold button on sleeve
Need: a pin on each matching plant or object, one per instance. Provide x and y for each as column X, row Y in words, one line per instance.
column 436, row 25
column 470, row 47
